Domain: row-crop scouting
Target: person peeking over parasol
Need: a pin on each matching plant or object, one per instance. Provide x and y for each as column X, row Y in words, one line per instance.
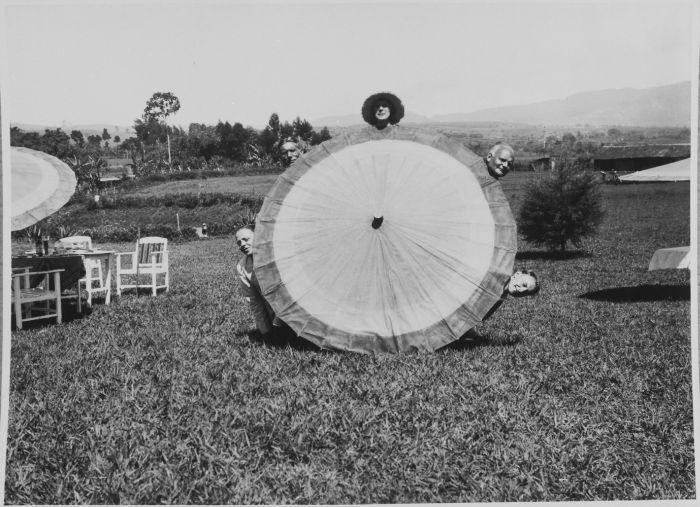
column 499, row 160
column 382, row 109
column 290, row 151
column 264, row 315
column 521, row 283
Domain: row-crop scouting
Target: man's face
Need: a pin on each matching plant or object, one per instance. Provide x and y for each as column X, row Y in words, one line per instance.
column 522, row 283
column 244, row 240
column 499, row 162
column 382, row 111
column 291, row 152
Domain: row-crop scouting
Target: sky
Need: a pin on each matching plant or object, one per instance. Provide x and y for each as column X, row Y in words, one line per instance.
column 236, row 61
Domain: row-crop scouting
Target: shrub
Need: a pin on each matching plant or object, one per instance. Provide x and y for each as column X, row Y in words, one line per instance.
column 182, row 200
column 562, row 207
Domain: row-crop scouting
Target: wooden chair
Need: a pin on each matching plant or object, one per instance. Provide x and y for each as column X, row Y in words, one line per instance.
column 150, row 258
column 94, row 279
column 24, row 295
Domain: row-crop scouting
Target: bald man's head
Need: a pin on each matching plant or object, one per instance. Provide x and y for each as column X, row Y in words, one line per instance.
column 500, row 160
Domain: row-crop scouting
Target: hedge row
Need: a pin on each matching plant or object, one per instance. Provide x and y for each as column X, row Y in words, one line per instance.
column 184, row 200
column 119, row 234
column 211, row 173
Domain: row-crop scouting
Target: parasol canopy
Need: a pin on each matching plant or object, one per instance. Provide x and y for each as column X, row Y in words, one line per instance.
column 384, row 241
column 670, row 258
column 40, row 185
column 675, row 171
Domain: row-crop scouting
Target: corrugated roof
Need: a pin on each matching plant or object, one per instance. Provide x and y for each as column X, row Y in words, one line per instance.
column 643, row 151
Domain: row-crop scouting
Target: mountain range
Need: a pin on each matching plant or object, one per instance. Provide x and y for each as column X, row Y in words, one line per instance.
column 661, row 106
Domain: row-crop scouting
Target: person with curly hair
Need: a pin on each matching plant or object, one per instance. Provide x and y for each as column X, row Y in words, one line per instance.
column 382, row 109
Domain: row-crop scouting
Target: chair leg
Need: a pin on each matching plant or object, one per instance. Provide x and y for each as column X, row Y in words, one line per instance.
column 57, row 287
column 153, row 282
column 88, row 287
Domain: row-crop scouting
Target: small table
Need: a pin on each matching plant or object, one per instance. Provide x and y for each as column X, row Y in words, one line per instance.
column 72, row 265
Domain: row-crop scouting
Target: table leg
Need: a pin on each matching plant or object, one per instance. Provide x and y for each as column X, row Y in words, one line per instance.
column 108, row 278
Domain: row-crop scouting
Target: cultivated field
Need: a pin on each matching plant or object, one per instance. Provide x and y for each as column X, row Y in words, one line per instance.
column 580, row 393
column 255, row 184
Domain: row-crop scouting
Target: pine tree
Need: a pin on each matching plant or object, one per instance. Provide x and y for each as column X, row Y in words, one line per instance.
column 564, row 206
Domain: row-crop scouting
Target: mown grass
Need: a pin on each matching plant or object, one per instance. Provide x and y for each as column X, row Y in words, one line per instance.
column 581, row 393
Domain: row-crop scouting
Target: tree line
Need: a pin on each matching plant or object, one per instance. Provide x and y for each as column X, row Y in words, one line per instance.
column 174, row 147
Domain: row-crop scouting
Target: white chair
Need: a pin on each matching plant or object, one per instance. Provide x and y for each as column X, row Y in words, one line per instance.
column 150, row 258
column 94, row 279
column 24, row 295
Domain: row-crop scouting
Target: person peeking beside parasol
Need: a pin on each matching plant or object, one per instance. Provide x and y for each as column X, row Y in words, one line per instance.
column 499, row 160
column 521, row 283
column 382, row 109
column 263, row 313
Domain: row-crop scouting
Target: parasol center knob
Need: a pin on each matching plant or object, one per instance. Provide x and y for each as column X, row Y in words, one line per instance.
column 377, row 222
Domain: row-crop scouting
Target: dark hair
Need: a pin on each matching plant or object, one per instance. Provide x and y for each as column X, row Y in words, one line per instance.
column 395, row 105
column 533, row 291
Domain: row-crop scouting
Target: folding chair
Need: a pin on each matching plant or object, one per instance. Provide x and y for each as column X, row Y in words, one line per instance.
column 94, row 279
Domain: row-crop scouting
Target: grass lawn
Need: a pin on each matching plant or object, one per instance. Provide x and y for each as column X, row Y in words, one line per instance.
column 580, row 393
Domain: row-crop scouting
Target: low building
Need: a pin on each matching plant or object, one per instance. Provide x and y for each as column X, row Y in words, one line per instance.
column 638, row 158
column 117, row 169
column 533, row 163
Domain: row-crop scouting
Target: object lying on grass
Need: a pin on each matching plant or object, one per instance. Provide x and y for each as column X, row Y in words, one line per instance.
column 41, row 185
column 384, row 241
column 670, row 258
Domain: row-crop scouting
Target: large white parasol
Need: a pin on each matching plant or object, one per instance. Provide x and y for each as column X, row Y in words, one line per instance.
column 385, row 241
column 40, row 185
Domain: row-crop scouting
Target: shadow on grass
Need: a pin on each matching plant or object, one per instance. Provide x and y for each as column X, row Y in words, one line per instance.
column 468, row 341
column 283, row 339
column 640, row 293
column 547, row 255
column 471, row 340
column 69, row 313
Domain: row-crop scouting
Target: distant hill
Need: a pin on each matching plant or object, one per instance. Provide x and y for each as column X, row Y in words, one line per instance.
column 662, row 106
